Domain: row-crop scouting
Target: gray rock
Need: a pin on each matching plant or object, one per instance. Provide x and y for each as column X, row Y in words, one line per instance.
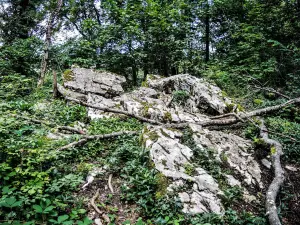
column 233, row 150
column 90, row 81
column 266, row 163
column 232, row 181
column 170, row 158
column 203, row 96
column 291, row 168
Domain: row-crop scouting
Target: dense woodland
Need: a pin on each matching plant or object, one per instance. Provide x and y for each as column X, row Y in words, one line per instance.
column 249, row 48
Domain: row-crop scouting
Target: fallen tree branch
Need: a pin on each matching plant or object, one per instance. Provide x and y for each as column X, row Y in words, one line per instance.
column 67, row 128
column 272, row 91
column 242, row 116
column 276, row 152
column 209, row 122
column 143, row 119
column 85, row 139
column 109, row 183
column 227, row 115
column 105, row 217
column 71, row 129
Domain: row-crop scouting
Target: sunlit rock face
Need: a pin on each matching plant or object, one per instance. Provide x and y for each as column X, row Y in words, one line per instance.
column 180, row 98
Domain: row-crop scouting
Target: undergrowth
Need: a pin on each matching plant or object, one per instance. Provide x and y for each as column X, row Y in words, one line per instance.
column 39, row 185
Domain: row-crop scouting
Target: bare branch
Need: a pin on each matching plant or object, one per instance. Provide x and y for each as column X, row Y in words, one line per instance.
column 272, row 91
column 271, row 195
column 143, row 119
column 105, row 217
column 109, row 183
column 85, row 139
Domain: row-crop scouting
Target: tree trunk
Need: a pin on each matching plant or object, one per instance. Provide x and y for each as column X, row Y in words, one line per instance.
column 55, row 91
column 207, row 29
column 50, row 25
column 24, row 32
column 134, row 74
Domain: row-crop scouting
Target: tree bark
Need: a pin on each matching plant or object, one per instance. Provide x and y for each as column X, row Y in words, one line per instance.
column 50, row 25
column 55, row 90
column 207, row 32
column 271, row 195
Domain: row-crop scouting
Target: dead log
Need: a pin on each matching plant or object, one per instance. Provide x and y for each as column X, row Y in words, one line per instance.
column 85, row 139
column 276, row 152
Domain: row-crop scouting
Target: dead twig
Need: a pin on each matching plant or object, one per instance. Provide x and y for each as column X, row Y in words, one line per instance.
column 272, row 91
column 109, row 183
column 105, row 217
column 52, row 125
column 85, row 139
column 71, row 129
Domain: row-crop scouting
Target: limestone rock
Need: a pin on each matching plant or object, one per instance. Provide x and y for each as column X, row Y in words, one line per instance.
column 171, row 158
column 198, row 190
column 266, row 163
column 90, row 81
column 155, row 102
column 203, row 96
column 234, row 150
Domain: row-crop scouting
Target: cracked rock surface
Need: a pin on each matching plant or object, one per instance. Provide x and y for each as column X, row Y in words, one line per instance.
column 196, row 186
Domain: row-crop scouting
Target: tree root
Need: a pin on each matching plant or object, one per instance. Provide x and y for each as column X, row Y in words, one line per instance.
column 276, row 152
column 85, row 139
column 105, row 217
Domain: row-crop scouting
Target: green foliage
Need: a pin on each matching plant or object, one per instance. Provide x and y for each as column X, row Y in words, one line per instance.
column 180, row 96
column 21, row 57
column 232, row 195
column 289, row 129
column 231, row 217
column 105, row 126
column 15, row 86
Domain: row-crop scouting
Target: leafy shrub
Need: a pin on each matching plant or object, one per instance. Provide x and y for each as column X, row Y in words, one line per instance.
column 180, row 96
column 15, row 86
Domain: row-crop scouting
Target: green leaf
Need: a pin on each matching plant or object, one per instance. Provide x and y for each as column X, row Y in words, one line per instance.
column 127, row 222
column 10, row 201
column 62, row 218
column 81, row 211
column 18, row 203
column 48, row 209
column 38, row 208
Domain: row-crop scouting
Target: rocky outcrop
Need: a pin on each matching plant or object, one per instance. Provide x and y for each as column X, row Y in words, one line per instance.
column 156, row 101
column 177, row 162
column 180, row 98
column 86, row 81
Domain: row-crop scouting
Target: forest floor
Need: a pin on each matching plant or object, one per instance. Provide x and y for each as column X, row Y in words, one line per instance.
column 40, row 185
